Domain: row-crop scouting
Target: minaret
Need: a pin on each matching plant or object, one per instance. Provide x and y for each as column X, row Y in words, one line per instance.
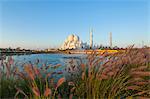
column 142, row 43
column 110, row 39
column 91, row 38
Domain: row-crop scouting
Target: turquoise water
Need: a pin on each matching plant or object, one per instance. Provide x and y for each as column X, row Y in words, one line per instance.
column 49, row 59
column 52, row 59
column 69, row 64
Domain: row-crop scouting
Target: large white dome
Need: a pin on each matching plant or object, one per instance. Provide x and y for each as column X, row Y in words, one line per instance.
column 70, row 37
column 72, row 42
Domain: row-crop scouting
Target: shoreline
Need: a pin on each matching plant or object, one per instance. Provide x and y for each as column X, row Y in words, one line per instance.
column 59, row 51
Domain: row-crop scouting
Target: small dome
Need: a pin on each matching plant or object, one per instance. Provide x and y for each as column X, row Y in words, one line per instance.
column 70, row 37
column 76, row 38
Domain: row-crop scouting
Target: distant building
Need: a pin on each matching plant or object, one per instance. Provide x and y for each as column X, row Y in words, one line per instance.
column 91, row 38
column 72, row 42
column 110, row 39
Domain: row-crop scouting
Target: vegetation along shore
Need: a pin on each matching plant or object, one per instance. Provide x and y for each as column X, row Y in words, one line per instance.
column 104, row 75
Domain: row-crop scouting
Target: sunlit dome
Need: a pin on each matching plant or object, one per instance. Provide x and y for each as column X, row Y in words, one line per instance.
column 72, row 42
column 76, row 38
column 70, row 37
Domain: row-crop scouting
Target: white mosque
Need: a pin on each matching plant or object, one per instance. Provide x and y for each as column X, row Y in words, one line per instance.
column 73, row 42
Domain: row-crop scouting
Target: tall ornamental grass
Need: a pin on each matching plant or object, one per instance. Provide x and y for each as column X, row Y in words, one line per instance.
column 100, row 75
column 31, row 82
column 118, row 75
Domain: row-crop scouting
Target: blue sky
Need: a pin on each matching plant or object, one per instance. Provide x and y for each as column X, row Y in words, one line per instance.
column 47, row 23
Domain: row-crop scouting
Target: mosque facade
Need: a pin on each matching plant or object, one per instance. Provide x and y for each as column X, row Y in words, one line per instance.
column 72, row 42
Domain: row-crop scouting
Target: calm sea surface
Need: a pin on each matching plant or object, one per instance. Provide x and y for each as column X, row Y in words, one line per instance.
column 48, row 59
column 52, row 59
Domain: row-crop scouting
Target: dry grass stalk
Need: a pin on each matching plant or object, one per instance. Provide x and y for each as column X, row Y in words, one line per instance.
column 60, row 81
column 71, row 84
column 141, row 68
column 83, row 66
column 140, row 73
column 47, row 92
column 83, row 75
column 10, row 60
column 36, row 91
column 20, row 91
column 141, row 97
column 103, row 76
column 29, row 71
column 134, row 87
column 142, row 92
column 56, row 66
column 36, row 70
column 141, row 83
